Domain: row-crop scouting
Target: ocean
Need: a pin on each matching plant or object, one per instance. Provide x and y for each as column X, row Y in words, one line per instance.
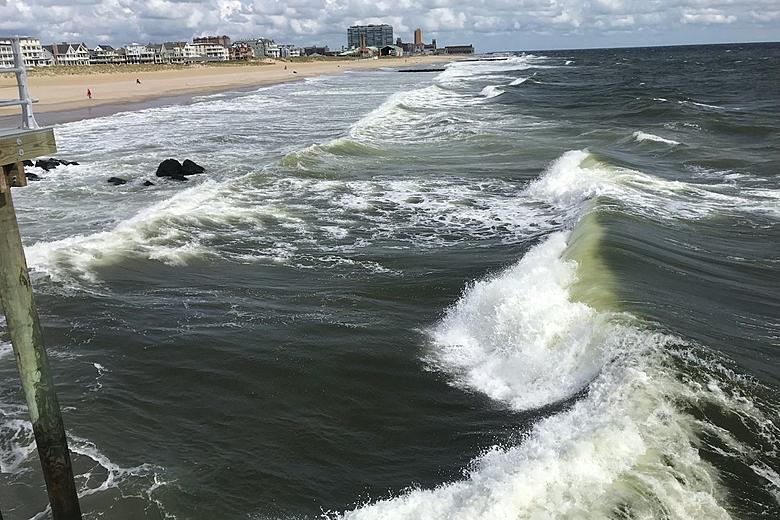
column 542, row 286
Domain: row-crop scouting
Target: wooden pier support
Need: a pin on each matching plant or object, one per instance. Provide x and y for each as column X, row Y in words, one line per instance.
column 22, row 321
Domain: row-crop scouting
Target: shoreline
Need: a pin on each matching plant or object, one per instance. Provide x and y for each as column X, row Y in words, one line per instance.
column 62, row 98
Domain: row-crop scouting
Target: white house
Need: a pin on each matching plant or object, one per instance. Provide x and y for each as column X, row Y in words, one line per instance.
column 138, row 53
column 289, row 51
column 272, row 50
column 69, row 53
column 32, row 53
column 105, row 54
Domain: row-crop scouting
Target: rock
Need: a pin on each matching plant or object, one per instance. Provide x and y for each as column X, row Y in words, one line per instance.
column 191, row 168
column 28, row 162
column 50, row 163
column 31, row 176
column 178, row 177
column 148, row 183
column 47, row 164
column 169, row 168
column 116, row 181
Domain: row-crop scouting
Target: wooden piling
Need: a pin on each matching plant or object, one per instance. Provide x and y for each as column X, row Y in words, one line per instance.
column 25, row 332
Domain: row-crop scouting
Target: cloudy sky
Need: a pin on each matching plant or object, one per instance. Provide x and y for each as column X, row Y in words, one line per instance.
column 489, row 24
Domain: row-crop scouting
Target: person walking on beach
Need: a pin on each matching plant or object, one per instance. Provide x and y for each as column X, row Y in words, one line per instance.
column 89, row 94
column 138, row 81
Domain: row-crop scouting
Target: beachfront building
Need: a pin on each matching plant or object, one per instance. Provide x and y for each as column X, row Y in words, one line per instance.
column 289, row 51
column 69, row 53
column 138, row 53
column 47, row 57
column 368, row 51
column 259, row 47
column 459, row 49
column 360, row 36
column 211, row 51
column 32, row 53
column 240, row 51
column 168, row 52
column 198, row 52
column 105, row 55
column 316, row 50
column 272, row 50
column 391, row 50
column 223, row 40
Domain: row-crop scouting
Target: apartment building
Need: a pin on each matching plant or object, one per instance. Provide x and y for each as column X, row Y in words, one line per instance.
column 32, row 53
column 205, row 52
column 369, row 36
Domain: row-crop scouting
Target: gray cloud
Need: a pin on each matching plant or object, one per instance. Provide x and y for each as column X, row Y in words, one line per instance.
column 489, row 24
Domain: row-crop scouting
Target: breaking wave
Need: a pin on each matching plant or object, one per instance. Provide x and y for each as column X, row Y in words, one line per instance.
column 548, row 332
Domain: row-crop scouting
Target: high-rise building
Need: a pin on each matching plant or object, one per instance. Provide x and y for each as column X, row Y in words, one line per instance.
column 372, row 36
column 418, row 36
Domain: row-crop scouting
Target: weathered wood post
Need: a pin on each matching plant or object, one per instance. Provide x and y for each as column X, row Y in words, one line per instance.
column 16, row 298
column 25, row 331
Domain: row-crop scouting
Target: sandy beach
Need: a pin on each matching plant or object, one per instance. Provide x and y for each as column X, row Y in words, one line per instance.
column 68, row 93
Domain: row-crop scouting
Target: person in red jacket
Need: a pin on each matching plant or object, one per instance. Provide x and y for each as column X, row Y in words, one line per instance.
column 89, row 94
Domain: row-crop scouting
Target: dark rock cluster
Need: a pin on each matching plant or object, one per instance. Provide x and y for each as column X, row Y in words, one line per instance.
column 175, row 170
column 170, row 168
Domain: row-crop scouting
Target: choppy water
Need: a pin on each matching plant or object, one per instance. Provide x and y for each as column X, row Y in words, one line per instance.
column 545, row 287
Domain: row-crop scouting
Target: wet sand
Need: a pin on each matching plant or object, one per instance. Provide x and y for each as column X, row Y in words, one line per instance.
column 63, row 97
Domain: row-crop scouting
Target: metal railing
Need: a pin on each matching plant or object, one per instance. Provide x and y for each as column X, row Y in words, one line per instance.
column 24, row 100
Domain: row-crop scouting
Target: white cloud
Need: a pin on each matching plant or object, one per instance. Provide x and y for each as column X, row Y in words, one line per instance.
column 707, row 16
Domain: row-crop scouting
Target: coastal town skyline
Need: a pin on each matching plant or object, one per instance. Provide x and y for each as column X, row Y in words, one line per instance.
column 363, row 41
column 492, row 26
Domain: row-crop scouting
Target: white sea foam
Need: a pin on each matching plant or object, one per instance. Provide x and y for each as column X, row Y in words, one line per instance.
column 640, row 136
column 704, row 105
column 577, row 176
column 519, row 81
column 17, row 436
column 101, row 371
column 520, row 338
column 5, row 349
column 460, row 72
column 500, row 338
column 101, row 473
column 491, row 91
column 196, row 224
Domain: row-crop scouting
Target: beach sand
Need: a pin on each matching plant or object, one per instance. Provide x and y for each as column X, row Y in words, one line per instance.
column 68, row 93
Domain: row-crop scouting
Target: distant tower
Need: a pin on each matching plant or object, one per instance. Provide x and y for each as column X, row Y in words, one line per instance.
column 418, row 36
column 362, row 41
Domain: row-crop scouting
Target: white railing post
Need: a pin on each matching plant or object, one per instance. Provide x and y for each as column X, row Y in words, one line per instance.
column 28, row 120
